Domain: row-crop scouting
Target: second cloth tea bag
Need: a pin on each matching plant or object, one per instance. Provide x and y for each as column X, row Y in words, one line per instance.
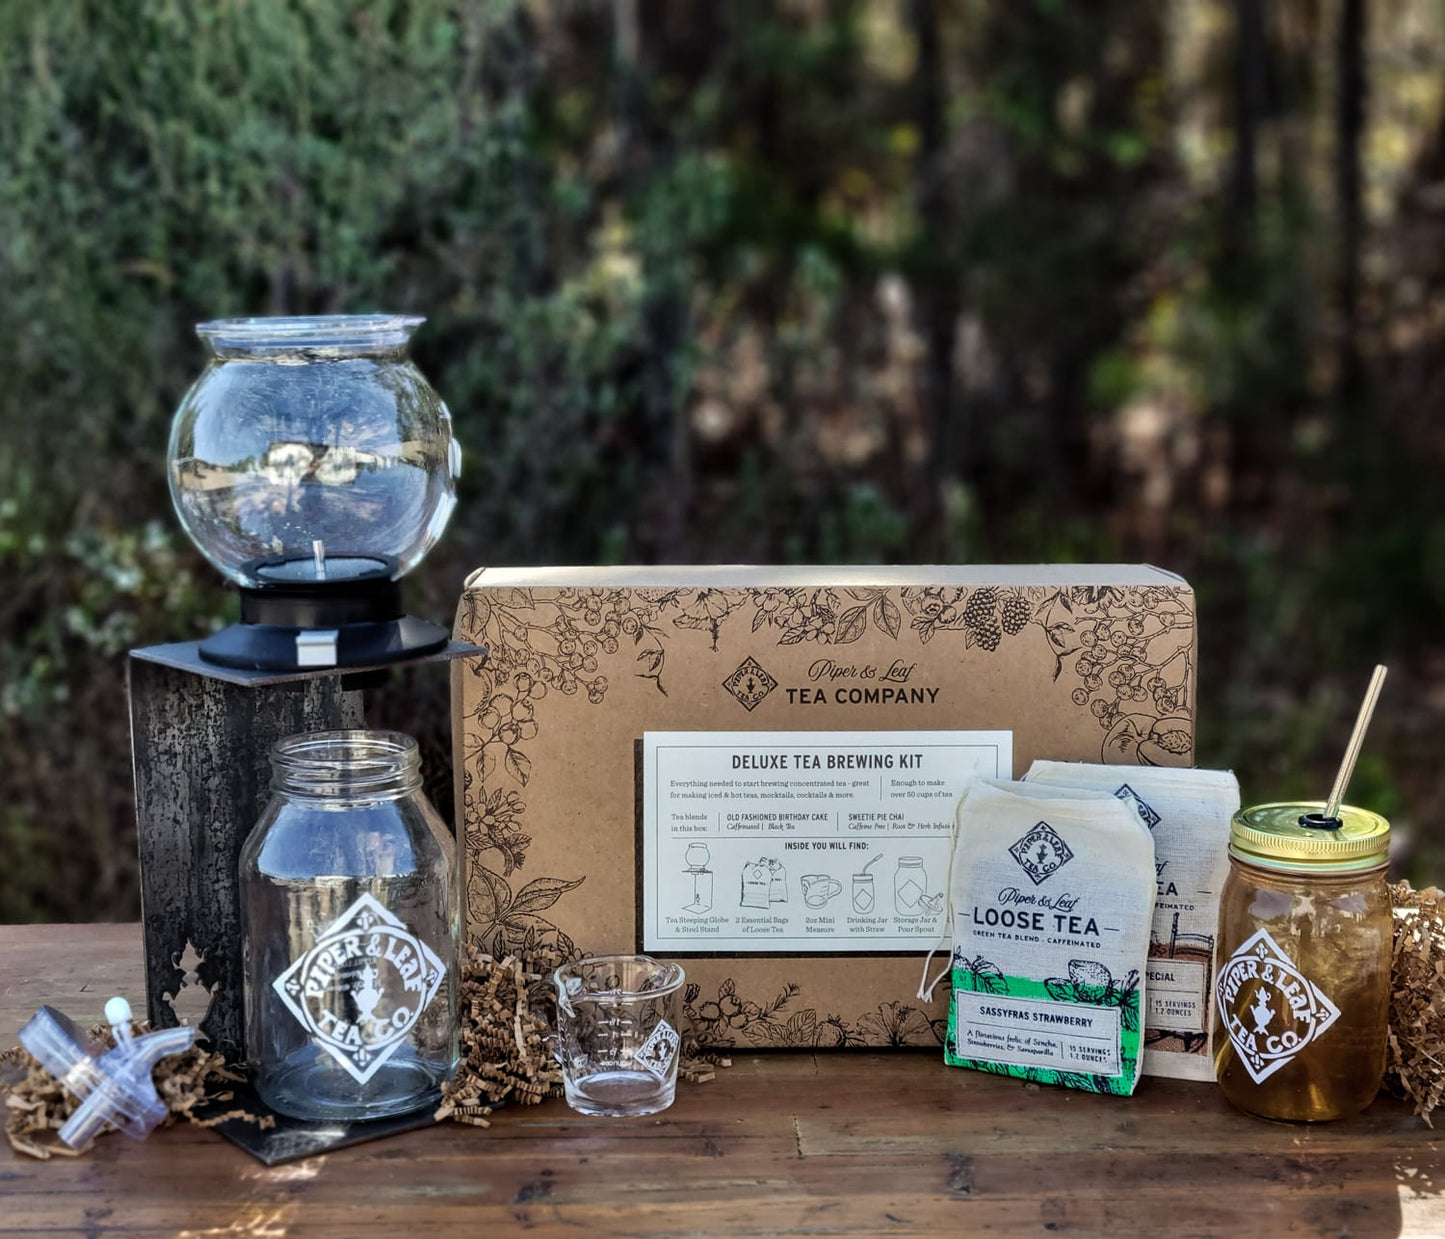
column 1188, row 813
column 1053, row 893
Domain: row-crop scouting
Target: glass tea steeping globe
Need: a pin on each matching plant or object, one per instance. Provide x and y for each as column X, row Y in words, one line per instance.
column 313, row 464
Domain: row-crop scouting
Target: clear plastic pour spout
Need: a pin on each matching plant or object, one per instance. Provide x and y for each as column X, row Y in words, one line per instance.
column 114, row 1086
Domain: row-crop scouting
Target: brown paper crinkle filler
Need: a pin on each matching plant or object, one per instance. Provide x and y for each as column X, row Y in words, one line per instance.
column 1415, row 1069
column 507, row 1015
column 37, row 1105
column 504, row 1031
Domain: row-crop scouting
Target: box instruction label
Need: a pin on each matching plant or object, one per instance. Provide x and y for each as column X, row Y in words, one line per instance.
column 1032, row 1032
column 812, row 842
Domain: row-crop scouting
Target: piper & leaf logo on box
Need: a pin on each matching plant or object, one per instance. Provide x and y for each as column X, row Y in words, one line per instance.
column 1272, row 1010
column 1041, row 853
column 750, row 683
column 362, row 986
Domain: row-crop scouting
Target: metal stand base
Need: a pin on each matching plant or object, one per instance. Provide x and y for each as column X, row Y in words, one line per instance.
column 274, row 647
column 199, row 739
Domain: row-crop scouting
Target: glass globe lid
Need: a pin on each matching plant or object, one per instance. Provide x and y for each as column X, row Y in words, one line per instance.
column 312, row 449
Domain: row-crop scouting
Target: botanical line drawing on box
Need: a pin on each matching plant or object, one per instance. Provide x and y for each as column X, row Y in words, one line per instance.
column 1125, row 648
column 729, row 1019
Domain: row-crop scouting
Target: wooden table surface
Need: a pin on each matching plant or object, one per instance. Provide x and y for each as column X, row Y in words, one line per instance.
column 791, row 1143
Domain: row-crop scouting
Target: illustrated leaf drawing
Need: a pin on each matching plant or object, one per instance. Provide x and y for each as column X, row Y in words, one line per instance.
column 1063, row 638
column 541, row 893
column 802, row 1029
column 887, row 616
column 1129, row 1015
column 792, row 636
column 491, row 899
column 852, row 624
column 980, row 975
column 1061, row 990
column 519, row 766
column 518, row 598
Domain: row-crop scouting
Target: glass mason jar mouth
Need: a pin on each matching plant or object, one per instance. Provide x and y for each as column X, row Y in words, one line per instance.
column 314, row 337
column 346, row 766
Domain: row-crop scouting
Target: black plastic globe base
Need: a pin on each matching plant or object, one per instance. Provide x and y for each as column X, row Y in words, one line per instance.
column 312, row 625
column 271, row 647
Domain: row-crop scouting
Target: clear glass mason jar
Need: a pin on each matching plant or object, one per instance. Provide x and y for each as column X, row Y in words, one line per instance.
column 1303, row 987
column 350, row 899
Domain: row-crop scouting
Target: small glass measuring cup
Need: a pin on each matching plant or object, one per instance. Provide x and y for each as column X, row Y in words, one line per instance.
column 617, row 1037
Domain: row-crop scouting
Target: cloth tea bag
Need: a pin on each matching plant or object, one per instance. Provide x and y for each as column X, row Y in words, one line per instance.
column 1052, row 891
column 1188, row 813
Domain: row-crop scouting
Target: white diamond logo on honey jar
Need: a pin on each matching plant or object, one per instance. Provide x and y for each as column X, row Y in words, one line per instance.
column 1271, row 1010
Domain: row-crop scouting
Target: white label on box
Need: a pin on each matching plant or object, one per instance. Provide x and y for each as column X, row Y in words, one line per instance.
column 1174, row 990
column 1031, row 1032
column 803, row 842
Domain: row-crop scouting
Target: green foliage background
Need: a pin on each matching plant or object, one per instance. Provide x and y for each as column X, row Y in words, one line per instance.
column 800, row 281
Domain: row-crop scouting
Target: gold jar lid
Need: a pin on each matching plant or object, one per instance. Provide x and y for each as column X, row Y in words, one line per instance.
column 1274, row 837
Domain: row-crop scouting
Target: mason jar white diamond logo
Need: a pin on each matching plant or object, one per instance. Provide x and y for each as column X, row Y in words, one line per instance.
column 1271, row 1009
column 362, row 986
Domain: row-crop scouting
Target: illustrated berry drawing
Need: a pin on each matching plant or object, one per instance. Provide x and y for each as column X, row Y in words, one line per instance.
column 1016, row 614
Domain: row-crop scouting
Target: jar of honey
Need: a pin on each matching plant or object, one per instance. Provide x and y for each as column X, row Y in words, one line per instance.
column 1302, row 993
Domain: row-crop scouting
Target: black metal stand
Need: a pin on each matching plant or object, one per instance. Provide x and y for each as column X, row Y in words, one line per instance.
column 200, row 733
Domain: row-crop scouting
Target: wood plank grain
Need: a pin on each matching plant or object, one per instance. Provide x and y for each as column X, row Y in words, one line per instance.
column 849, row 1144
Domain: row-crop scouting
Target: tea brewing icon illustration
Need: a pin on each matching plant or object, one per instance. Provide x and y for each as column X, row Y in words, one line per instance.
column 819, row 889
column 863, row 893
column 764, row 883
column 697, row 857
column 910, row 885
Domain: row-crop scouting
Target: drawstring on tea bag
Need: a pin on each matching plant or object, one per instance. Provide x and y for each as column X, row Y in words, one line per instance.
column 925, row 986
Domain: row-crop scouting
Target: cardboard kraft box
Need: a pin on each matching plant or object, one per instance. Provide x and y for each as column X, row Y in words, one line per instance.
column 754, row 770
